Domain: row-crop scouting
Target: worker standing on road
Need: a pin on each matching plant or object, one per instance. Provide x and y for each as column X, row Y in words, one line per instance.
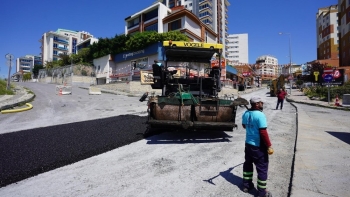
column 281, row 94
column 257, row 147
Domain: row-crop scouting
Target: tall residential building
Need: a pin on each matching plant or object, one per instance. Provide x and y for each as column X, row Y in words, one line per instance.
column 344, row 32
column 25, row 64
column 62, row 41
column 213, row 13
column 327, row 33
column 237, row 48
column 269, row 67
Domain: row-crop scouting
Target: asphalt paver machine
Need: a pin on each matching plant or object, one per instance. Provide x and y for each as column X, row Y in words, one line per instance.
column 189, row 77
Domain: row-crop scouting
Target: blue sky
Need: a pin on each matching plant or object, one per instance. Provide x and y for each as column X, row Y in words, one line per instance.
column 24, row 22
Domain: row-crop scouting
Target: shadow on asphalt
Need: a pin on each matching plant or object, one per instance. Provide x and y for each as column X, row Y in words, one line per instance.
column 232, row 178
column 345, row 137
column 185, row 137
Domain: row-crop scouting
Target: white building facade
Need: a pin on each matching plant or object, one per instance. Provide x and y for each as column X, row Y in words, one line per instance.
column 62, row 41
column 213, row 13
column 268, row 67
column 25, row 64
column 237, row 49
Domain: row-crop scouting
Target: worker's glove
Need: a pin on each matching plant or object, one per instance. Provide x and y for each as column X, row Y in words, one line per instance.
column 270, row 150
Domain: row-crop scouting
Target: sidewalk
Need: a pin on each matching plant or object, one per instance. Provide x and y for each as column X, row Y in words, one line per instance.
column 299, row 97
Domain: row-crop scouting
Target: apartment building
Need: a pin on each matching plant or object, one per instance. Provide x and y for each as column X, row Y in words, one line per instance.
column 62, row 41
column 237, row 48
column 157, row 17
column 327, row 33
column 160, row 18
column 25, row 64
column 86, row 43
column 344, row 32
column 268, row 67
column 213, row 13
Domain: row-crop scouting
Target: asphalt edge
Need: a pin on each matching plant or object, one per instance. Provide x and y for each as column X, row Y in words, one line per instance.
column 294, row 151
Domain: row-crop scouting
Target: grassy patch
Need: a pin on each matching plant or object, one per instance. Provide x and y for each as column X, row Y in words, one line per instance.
column 28, row 91
column 3, row 90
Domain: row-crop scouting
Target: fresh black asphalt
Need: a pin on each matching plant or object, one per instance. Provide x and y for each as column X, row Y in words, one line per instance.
column 27, row 153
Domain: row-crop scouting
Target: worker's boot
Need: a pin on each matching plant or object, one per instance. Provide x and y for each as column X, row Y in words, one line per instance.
column 247, row 189
column 267, row 194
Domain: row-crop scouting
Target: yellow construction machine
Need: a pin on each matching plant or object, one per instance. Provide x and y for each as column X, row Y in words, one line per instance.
column 188, row 73
column 276, row 84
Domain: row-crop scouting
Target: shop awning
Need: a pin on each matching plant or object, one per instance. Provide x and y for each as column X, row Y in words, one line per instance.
column 231, row 70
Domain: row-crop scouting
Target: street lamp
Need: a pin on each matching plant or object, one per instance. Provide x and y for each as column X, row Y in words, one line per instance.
column 290, row 59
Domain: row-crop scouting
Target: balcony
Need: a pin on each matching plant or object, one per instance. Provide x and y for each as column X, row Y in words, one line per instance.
column 60, row 41
column 206, row 1
column 61, row 48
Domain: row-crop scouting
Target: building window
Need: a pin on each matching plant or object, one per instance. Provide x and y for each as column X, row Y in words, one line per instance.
column 153, row 27
column 205, row 6
column 174, row 25
column 133, row 22
column 171, row 3
column 151, row 14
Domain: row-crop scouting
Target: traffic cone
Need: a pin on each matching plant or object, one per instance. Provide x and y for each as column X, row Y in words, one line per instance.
column 60, row 92
column 337, row 101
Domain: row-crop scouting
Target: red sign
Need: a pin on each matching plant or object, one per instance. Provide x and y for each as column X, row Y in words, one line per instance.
column 246, row 74
column 336, row 73
column 215, row 63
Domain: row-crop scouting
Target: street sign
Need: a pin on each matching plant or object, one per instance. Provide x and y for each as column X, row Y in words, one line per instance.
column 328, row 78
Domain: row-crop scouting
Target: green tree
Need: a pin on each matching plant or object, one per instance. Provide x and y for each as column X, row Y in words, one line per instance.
column 122, row 43
column 64, row 60
column 142, row 40
column 36, row 70
column 27, row 76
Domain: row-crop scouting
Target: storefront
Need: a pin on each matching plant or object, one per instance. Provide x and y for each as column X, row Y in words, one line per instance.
column 129, row 64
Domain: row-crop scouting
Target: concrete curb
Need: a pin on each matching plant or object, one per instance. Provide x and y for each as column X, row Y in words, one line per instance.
column 318, row 105
column 26, row 98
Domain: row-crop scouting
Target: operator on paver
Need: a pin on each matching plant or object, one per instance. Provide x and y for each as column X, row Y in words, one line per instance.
column 257, row 147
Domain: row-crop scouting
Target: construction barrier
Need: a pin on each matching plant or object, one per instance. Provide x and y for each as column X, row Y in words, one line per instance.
column 346, row 100
column 63, row 90
column 94, row 90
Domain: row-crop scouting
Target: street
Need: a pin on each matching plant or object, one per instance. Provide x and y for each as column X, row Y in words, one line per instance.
column 182, row 163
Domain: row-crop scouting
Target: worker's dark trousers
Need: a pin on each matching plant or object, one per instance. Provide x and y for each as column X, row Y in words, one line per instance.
column 279, row 101
column 258, row 156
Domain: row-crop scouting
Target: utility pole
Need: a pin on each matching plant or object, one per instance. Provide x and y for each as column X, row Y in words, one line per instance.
column 9, row 58
column 290, row 59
